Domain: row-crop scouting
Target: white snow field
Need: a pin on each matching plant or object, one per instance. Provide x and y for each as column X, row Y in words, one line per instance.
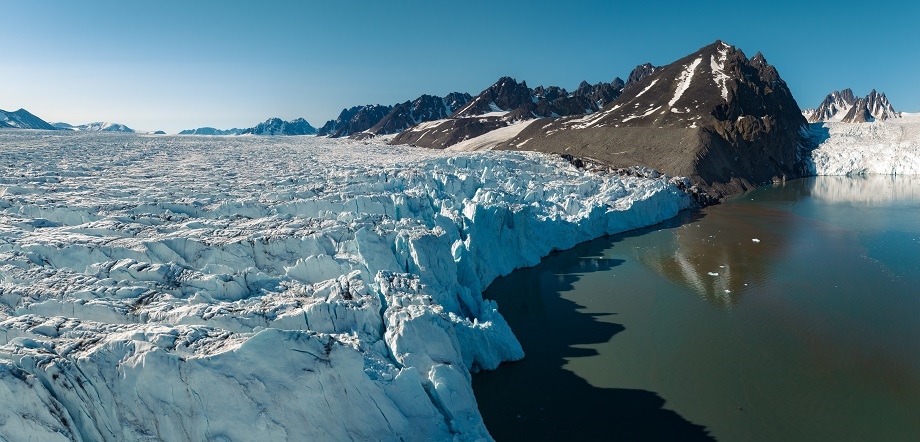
column 254, row 288
column 891, row 147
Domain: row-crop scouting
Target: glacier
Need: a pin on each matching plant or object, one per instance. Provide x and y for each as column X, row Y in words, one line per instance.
column 252, row 288
column 891, row 147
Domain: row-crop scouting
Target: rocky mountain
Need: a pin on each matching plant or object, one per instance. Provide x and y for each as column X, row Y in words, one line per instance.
column 503, row 96
column 508, row 102
column 332, row 126
column 725, row 121
column 410, row 113
column 639, row 73
column 95, row 127
column 22, row 119
column 844, row 106
column 277, row 126
column 354, row 120
column 212, row 131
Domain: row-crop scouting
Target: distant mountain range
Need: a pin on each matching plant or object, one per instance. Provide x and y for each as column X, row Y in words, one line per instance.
column 95, row 127
column 845, row 107
column 271, row 126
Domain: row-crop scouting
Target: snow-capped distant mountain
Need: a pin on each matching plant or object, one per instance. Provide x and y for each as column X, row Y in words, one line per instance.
column 277, row 126
column 22, row 119
column 845, row 107
column 212, row 131
column 95, row 127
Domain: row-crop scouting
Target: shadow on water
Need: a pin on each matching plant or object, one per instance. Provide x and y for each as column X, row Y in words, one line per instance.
column 538, row 399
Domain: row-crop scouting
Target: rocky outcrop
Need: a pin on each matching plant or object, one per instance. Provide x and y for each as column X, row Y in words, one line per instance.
column 728, row 122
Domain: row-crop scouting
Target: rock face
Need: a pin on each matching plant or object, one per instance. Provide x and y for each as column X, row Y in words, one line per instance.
column 212, row 131
column 22, row 119
column 277, row 126
column 726, row 121
column 844, row 106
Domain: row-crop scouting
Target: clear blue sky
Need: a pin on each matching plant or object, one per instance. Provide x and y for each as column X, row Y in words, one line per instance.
column 171, row 65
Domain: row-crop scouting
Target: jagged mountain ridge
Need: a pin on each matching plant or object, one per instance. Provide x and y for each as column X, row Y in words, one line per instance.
column 354, row 120
column 845, row 107
column 22, row 119
column 506, row 102
column 726, row 121
column 411, row 113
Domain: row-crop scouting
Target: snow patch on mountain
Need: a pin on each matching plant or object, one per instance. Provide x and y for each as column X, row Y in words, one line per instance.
column 647, row 88
column 718, row 70
column 491, row 139
column 683, row 82
column 249, row 288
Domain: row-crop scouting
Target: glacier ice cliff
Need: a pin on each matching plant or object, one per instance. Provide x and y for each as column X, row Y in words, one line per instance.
column 173, row 288
column 891, row 147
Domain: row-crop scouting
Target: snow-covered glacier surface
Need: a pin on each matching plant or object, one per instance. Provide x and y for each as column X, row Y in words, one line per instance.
column 198, row 288
column 891, row 147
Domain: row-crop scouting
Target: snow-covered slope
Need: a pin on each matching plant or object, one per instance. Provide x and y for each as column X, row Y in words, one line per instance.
column 246, row 288
column 891, row 147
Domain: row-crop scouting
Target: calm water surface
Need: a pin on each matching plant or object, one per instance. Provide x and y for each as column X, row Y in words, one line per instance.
column 693, row 330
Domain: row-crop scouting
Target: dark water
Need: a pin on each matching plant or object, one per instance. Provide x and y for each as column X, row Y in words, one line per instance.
column 812, row 333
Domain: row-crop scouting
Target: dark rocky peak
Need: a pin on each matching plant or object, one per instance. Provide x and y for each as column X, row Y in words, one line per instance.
column 344, row 117
column 549, row 93
column 716, row 83
column 600, row 94
column 638, row 74
column 505, row 95
column 363, row 119
column 408, row 114
column 456, row 100
column 723, row 120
